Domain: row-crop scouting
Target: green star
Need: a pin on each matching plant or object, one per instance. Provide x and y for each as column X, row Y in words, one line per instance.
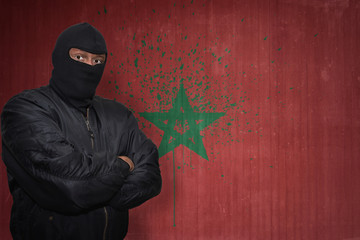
column 182, row 125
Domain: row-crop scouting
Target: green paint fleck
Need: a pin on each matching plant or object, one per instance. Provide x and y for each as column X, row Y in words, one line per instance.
column 136, row 62
column 153, row 10
column 279, row 49
column 105, row 11
column 265, row 37
column 316, row 35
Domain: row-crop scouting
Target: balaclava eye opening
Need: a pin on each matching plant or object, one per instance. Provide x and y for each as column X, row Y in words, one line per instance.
column 75, row 81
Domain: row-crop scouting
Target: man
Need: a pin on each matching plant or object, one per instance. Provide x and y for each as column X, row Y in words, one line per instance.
column 76, row 162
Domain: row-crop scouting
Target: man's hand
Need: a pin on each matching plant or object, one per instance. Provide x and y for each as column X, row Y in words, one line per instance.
column 128, row 161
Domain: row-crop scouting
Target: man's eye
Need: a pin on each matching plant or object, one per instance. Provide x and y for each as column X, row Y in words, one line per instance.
column 78, row 57
column 98, row 61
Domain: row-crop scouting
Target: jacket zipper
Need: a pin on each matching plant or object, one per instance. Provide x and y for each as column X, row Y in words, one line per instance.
column 87, row 122
column 106, row 223
column 92, row 137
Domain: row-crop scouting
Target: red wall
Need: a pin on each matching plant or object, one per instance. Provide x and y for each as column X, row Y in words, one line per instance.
column 281, row 77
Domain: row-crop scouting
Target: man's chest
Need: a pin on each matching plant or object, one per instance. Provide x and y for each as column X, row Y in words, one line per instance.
column 86, row 132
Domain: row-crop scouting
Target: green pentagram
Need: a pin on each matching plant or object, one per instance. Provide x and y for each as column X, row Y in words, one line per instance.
column 182, row 125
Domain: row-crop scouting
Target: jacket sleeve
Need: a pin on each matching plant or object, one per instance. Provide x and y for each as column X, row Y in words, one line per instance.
column 52, row 170
column 144, row 182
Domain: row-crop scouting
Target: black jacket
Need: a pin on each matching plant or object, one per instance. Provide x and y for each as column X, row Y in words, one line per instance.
column 64, row 174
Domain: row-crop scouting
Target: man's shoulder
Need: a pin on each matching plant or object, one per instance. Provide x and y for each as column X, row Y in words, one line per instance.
column 110, row 105
column 28, row 101
column 31, row 95
column 40, row 97
column 113, row 111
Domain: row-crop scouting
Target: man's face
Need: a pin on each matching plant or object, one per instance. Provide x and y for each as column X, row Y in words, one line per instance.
column 86, row 57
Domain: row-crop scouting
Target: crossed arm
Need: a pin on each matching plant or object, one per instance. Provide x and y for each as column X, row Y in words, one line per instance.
column 61, row 177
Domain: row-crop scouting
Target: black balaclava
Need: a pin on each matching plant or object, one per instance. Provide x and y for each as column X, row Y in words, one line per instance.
column 75, row 81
